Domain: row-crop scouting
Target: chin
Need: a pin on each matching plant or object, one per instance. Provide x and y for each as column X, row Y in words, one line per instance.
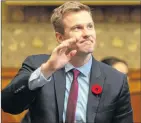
column 84, row 53
column 88, row 51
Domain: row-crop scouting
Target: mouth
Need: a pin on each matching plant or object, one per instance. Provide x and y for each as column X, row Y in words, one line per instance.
column 90, row 39
column 85, row 41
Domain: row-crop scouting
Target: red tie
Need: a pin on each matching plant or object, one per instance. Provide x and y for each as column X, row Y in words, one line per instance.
column 72, row 100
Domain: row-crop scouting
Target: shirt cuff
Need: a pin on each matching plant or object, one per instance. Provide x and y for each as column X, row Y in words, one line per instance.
column 37, row 79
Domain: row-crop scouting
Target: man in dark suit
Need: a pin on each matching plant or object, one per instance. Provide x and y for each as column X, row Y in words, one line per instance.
column 70, row 85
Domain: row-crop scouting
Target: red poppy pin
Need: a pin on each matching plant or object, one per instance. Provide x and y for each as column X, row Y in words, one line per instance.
column 96, row 89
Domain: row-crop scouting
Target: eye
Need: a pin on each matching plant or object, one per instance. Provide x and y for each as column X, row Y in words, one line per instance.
column 76, row 28
column 90, row 26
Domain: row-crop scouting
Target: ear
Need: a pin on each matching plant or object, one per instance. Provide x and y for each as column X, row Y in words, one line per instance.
column 59, row 37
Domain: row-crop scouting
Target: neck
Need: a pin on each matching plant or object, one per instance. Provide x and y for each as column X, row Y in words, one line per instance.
column 78, row 61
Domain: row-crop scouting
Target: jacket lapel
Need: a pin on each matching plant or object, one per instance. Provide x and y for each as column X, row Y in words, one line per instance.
column 96, row 77
column 60, row 85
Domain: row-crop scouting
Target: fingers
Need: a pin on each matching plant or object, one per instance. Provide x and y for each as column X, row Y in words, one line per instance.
column 71, row 54
column 70, row 41
column 66, row 44
column 61, row 46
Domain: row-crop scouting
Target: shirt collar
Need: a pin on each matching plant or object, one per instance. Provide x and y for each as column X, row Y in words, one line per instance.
column 85, row 69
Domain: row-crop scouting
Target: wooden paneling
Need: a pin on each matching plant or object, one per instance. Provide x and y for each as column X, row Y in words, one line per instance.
column 59, row 2
column 136, row 104
column 134, row 84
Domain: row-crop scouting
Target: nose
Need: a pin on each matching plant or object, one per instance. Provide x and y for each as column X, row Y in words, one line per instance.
column 86, row 33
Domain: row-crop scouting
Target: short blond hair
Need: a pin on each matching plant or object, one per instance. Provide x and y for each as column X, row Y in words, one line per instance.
column 58, row 13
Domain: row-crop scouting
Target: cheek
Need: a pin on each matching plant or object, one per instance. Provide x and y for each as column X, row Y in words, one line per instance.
column 76, row 34
column 94, row 34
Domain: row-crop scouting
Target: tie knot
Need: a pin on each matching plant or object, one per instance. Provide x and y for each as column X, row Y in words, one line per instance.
column 75, row 73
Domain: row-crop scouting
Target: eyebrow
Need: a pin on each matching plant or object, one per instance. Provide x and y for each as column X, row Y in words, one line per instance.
column 81, row 25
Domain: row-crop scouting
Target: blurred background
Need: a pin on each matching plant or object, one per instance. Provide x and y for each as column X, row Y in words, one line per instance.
column 26, row 30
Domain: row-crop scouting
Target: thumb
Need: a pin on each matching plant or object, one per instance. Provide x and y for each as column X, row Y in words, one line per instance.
column 72, row 53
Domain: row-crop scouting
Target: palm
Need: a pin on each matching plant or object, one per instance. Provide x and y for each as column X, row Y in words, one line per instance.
column 61, row 56
column 60, row 60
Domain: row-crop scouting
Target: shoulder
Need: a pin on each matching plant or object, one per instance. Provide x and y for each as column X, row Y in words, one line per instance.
column 36, row 60
column 108, row 70
column 36, row 56
column 112, row 75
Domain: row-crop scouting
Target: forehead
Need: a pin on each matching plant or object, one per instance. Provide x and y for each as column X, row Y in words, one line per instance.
column 75, row 18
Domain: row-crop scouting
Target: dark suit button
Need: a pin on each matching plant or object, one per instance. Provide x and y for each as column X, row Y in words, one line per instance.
column 16, row 91
column 22, row 87
column 19, row 89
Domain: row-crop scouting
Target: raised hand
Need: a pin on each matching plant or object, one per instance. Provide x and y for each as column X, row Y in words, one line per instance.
column 60, row 56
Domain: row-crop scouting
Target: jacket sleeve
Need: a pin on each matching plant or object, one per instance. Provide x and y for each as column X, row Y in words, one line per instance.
column 17, row 97
column 124, row 113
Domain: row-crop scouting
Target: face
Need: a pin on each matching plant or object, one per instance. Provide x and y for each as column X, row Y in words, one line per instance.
column 80, row 26
column 121, row 67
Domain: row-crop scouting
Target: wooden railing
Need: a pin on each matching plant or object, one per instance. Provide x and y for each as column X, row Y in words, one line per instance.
column 134, row 84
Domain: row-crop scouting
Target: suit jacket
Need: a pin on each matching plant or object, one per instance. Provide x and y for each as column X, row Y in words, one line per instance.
column 46, row 103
